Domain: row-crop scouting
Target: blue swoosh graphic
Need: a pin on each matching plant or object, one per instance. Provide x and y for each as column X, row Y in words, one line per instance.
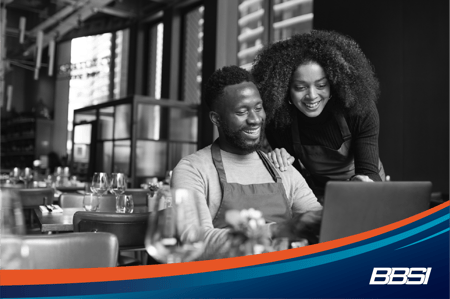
column 429, row 237
column 199, row 281
column 315, row 261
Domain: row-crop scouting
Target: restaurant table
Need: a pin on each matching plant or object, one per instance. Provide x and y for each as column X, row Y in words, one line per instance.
column 63, row 222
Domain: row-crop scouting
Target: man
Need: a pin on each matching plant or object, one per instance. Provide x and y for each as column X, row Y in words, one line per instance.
column 232, row 174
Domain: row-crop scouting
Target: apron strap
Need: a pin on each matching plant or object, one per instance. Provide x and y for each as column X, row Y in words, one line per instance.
column 298, row 148
column 217, row 160
column 295, row 132
column 218, row 163
column 345, row 131
column 275, row 176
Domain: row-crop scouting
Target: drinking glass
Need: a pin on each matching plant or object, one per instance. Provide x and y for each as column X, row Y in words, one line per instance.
column 100, row 183
column 124, row 203
column 118, row 184
column 91, row 202
column 175, row 234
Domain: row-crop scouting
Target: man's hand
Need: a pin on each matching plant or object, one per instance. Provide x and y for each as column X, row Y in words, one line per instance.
column 280, row 158
column 301, row 226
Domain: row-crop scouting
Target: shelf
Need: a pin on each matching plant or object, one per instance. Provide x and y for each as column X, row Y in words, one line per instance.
column 18, row 154
column 19, row 138
column 23, row 139
column 22, row 120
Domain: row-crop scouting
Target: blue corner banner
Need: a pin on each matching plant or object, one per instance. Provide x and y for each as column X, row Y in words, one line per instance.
column 411, row 261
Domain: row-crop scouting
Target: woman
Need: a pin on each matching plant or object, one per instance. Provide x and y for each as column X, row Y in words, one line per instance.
column 319, row 92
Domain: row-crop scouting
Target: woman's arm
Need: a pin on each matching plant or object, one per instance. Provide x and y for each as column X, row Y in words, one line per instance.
column 365, row 145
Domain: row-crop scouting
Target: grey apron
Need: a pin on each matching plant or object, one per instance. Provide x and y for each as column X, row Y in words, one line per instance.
column 321, row 164
column 269, row 198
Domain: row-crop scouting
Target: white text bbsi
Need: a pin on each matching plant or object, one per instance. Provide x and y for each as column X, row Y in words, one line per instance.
column 402, row 275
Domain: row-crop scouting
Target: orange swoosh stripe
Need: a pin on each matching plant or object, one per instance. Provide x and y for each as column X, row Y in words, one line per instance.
column 64, row 276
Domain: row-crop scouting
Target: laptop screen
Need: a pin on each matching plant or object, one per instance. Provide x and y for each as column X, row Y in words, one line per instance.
column 354, row 207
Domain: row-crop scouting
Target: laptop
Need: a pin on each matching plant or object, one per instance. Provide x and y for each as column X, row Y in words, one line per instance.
column 354, row 207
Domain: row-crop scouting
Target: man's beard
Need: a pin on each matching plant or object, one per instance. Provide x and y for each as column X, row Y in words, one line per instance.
column 239, row 141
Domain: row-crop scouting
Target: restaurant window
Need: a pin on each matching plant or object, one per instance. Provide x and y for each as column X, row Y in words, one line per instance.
column 120, row 48
column 156, row 34
column 291, row 17
column 97, row 72
column 192, row 56
column 151, row 116
column 265, row 21
column 252, row 16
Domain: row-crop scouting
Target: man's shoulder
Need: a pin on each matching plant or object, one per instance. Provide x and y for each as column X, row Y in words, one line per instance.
column 290, row 174
column 199, row 158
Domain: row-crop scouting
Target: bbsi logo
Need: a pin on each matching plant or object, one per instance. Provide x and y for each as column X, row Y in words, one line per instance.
column 400, row 276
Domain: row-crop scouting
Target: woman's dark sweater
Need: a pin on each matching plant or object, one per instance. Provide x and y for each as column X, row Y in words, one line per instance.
column 324, row 130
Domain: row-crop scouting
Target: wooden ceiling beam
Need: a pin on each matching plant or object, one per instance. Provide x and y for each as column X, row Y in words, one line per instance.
column 69, row 23
column 57, row 17
column 117, row 12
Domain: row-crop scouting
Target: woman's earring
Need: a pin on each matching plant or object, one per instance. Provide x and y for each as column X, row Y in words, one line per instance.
column 289, row 101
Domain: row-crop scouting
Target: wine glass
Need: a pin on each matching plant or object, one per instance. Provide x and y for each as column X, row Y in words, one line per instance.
column 14, row 176
column 124, row 203
column 175, row 234
column 26, row 176
column 91, row 202
column 100, row 183
column 118, row 184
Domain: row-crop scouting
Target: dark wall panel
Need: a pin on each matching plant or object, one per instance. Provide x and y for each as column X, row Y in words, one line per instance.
column 426, row 87
column 407, row 42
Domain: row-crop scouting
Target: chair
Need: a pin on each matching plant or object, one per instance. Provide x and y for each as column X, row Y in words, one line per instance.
column 130, row 230
column 70, row 200
column 32, row 198
column 65, row 251
column 437, row 198
column 139, row 196
column 74, row 200
column 10, row 252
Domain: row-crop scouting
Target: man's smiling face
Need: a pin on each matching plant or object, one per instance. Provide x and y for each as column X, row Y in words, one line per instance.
column 241, row 118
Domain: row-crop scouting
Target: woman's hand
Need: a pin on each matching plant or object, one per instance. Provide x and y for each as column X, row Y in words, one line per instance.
column 361, row 178
column 280, row 158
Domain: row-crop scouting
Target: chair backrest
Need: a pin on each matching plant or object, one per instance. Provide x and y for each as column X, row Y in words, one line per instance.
column 75, row 200
column 130, row 229
column 10, row 253
column 34, row 197
column 139, row 196
column 71, row 200
column 74, row 250
column 12, row 220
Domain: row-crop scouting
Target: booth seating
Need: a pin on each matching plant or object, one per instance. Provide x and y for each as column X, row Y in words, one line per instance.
column 139, row 196
column 32, row 198
column 130, row 230
column 63, row 251
column 75, row 200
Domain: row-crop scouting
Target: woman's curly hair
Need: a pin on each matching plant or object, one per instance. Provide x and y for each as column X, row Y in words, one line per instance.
column 350, row 74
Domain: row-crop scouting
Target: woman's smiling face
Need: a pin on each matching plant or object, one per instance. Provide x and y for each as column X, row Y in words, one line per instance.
column 310, row 89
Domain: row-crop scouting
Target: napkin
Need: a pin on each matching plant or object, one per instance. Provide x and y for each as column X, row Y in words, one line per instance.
column 54, row 208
